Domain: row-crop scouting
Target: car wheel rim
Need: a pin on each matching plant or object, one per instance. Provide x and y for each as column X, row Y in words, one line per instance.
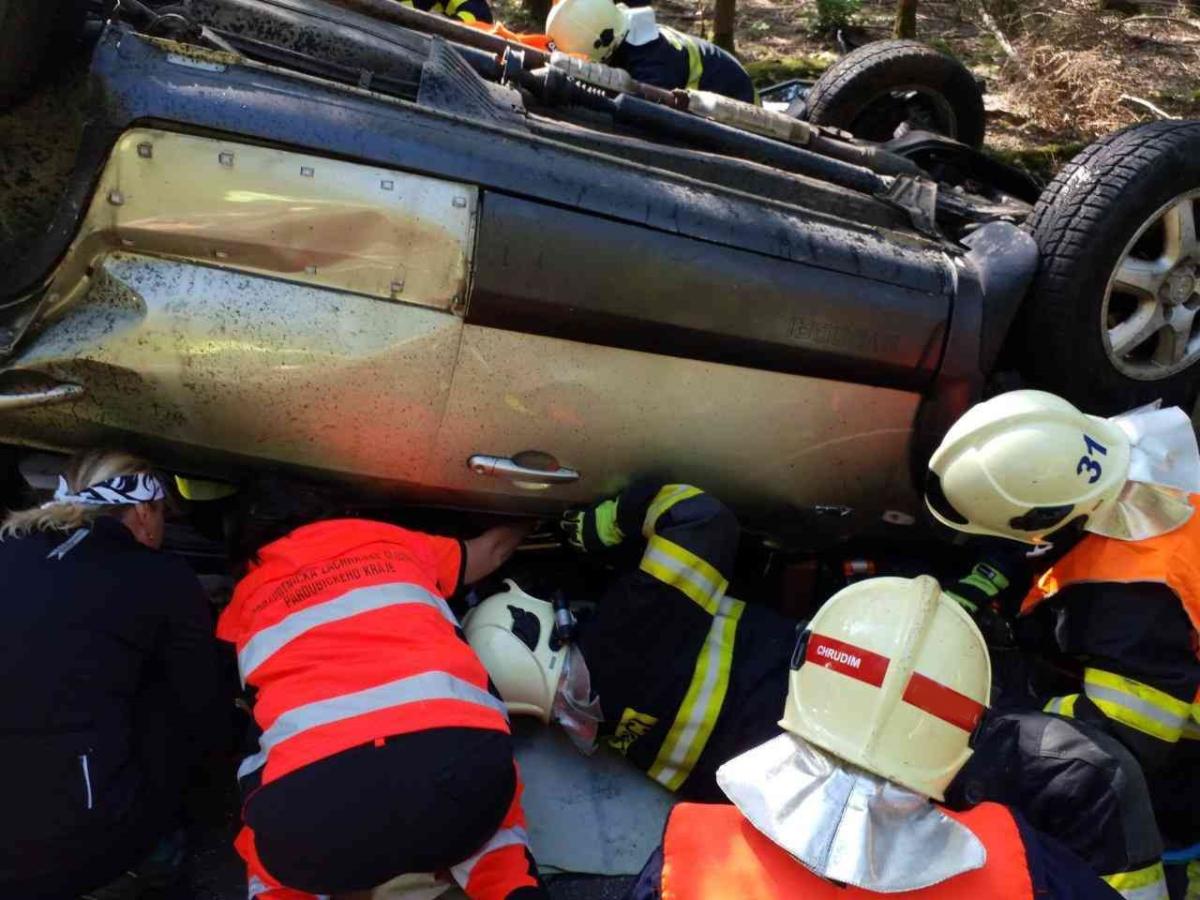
column 902, row 109
column 1149, row 320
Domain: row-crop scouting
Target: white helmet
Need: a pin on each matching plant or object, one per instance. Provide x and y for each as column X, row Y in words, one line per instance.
column 894, row 678
column 594, row 28
column 512, row 633
column 1023, row 464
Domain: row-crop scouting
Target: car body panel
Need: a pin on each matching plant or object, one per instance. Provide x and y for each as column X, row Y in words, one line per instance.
column 147, row 80
column 621, row 317
column 609, row 282
column 262, row 369
column 314, row 220
column 761, row 439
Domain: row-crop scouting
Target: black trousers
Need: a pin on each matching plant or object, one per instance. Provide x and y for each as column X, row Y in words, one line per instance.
column 417, row 802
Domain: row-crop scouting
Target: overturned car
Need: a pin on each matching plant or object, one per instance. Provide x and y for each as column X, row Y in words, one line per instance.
column 364, row 243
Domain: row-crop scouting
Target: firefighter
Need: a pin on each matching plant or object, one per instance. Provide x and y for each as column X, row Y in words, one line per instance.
column 383, row 751
column 678, row 676
column 109, row 687
column 468, row 11
column 887, row 685
column 1113, row 501
column 654, row 54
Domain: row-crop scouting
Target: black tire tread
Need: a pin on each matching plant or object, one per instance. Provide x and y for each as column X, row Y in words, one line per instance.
column 870, row 58
column 1080, row 204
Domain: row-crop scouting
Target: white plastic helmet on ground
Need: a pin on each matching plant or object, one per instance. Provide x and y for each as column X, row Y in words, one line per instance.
column 594, row 28
column 512, row 633
column 894, row 678
column 1024, row 464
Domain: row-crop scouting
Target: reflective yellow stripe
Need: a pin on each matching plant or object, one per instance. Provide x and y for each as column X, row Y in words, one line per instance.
column 452, row 10
column 1193, row 882
column 681, row 569
column 1136, row 705
column 697, row 715
column 1149, row 883
column 667, row 497
column 695, row 64
column 1191, row 728
column 1063, row 706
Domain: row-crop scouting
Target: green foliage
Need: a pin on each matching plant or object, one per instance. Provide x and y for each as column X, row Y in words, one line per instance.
column 766, row 72
column 1040, row 162
column 832, row 14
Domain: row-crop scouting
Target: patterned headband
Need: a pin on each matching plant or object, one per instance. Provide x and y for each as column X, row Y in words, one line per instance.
column 123, row 490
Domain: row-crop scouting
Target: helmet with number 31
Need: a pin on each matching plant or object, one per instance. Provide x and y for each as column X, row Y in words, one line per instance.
column 1024, row 464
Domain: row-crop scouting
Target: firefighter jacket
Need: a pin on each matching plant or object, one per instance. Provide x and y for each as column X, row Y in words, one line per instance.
column 675, row 60
column 1074, row 781
column 710, row 852
column 1130, row 610
column 343, row 630
column 687, row 676
column 468, row 11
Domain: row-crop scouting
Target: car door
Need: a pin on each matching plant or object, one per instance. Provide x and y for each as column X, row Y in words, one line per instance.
column 226, row 303
column 609, row 350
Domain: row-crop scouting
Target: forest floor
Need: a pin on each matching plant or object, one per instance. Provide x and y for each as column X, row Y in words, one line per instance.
column 1057, row 73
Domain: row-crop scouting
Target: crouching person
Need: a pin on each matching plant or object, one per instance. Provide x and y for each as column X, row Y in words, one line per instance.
column 382, row 752
column 108, row 688
column 679, row 677
column 888, row 683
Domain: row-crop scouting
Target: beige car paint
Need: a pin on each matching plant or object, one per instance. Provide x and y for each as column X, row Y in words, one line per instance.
column 259, row 368
column 230, row 301
column 755, row 437
column 303, row 218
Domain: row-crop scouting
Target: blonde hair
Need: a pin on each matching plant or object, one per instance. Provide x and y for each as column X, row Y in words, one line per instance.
column 84, row 470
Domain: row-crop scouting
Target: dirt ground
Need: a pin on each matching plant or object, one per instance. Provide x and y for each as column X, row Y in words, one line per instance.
column 1072, row 71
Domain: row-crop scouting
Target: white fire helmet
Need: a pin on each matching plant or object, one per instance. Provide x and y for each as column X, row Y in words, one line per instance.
column 594, row 28
column 512, row 633
column 1024, row 464
column 893, row 677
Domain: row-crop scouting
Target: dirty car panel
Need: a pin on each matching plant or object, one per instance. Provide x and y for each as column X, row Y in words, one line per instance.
column 262, row 369
column 273, row 268
column 355, row 228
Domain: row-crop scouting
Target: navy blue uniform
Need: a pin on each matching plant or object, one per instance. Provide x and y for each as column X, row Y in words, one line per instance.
column 108, row 695
column 675, row 60
column 463, row 10
column 688, row 677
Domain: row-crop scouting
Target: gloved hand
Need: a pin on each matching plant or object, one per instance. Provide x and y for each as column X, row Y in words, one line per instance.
column 996, row 627
column 593, row 529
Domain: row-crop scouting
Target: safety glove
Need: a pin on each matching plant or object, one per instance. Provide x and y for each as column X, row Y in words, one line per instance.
column 987, row 592
column 592, row 529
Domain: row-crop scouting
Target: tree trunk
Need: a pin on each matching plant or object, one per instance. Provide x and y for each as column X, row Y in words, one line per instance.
column 724, row 15
column 538, row 10
column 906, row 19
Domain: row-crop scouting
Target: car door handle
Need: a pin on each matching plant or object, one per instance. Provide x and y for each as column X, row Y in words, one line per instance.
column 513, row 470
column 60, row 393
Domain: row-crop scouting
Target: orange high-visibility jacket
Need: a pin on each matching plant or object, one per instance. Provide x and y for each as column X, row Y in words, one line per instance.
column 343, row 628
column 1172, row 559
column 711, row 852
column 344, row 631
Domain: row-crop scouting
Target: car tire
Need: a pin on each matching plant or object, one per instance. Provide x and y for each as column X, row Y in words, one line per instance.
column 1109, row 320
column 852, row 94
column 28, row 28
